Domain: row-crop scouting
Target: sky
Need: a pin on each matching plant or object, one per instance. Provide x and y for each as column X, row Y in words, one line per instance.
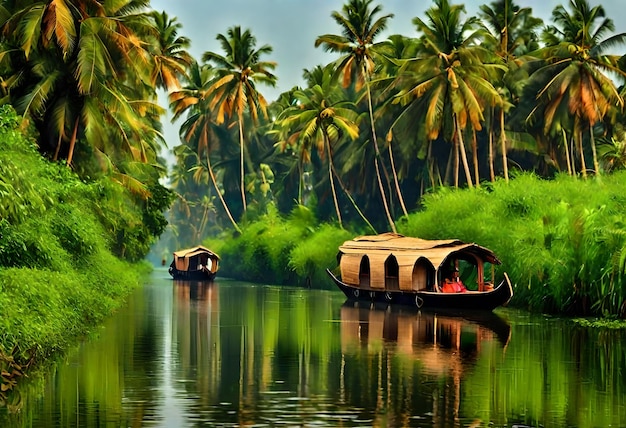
column 290, row 27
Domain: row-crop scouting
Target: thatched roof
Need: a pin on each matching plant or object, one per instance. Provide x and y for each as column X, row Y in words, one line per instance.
column 190, row 252
column 408, row 249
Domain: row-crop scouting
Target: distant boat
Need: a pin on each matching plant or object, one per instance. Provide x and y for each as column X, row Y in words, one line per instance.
column 197, row 263
column 391, row 268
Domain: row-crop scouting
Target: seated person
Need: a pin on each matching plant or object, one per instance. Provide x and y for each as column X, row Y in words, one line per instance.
column 453, row 284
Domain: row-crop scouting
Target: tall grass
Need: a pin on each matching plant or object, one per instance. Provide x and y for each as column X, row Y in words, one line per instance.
column 278, row 250
column 563, row 241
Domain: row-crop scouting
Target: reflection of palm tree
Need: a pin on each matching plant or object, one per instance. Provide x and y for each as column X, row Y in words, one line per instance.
column 197, row 129
column 575, row 91
column 234, row 89
column 358, row 49
column 449, row 80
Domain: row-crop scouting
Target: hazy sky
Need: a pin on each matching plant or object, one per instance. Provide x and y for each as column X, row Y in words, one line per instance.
column 291, row 27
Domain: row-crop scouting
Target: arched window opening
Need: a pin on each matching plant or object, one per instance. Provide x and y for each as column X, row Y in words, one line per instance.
column 364, row 272
column 391, row 273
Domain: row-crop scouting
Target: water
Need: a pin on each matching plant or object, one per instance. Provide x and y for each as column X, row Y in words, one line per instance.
column 228, row 354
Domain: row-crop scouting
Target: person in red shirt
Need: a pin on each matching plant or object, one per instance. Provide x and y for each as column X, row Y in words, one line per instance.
column 453, row 283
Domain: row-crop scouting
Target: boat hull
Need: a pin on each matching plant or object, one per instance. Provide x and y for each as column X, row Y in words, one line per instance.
column 194, row 275
column 469, row 301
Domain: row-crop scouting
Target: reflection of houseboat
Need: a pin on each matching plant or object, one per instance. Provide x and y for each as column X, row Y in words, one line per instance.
column 391, row 268
column 440, row 342
column 198, row 263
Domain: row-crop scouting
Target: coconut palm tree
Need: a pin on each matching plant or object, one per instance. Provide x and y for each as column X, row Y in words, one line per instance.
column 194, row 100
column 73, row 70
column 448, row 83
column 576, row 90
column 169, row 52
column 357, row 62
column 234, row 91
column 513, row 30
column 320, row 118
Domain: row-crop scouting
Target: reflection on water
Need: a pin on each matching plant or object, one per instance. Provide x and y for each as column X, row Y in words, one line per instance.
column 443, row 343
column 228, row 353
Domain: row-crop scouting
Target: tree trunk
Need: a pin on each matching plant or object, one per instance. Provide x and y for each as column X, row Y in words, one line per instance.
column 356, row 207
column 583, row 164
column 505, row 162
column 461, row 146
column 219, row 194
column 596, row 164
column 567, row 155
column 58, row 148
column 241, row 165
column 475, row 158
column 383, row 195
column 397, row 184
column 70, row 154
column 330, row 177
column 492, row 173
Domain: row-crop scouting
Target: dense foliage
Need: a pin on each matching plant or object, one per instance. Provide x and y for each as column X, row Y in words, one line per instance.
column 65, row 246
column 561, row 241
column 387, row 120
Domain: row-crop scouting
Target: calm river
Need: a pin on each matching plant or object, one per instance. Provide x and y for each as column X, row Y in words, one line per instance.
column 229, row 354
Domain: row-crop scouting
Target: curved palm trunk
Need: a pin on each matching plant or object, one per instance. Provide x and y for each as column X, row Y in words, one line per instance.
column 356, row 207
column 567, row 154
column 241, row 165
column 331, row 166
column 592, row 139
column 70, row 154
column 461, row 147
column 505, row 162
column 396, row 183
column 330, row 177
column 492, row 173
column 376, row 157
column 219, row 194
column 475, row 157
column 58, row 148
column 583, row 164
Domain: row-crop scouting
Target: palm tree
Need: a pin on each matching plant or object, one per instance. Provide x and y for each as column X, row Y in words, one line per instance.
column 576, row 90
column 448, row 83
column 318, row 119
column 74, row 68
column 357, row 62
column 513, row 30
column 169, row 52
column 234, row 90
column 194, row 99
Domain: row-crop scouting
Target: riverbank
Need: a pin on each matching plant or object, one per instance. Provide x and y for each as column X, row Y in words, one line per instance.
column 562, row 241
column 70, row 250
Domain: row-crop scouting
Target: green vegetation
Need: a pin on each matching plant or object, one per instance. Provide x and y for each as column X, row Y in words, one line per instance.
column 464, row 101
column 562, row 242
column 468, row 100
column 66, row 248
column 281, row 250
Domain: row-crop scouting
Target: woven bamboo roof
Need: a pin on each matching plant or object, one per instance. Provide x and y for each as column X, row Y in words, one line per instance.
column 190, row 252
column 378, row 247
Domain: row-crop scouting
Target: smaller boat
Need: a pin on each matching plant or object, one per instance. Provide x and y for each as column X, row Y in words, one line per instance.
column 392, row 268
column 197, row 263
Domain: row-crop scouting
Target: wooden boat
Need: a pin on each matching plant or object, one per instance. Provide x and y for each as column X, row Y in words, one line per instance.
column 391, row 268
column 197, row 263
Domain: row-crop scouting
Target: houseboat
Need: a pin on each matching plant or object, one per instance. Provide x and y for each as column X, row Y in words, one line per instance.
column 197, row 263
column 429, row 274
